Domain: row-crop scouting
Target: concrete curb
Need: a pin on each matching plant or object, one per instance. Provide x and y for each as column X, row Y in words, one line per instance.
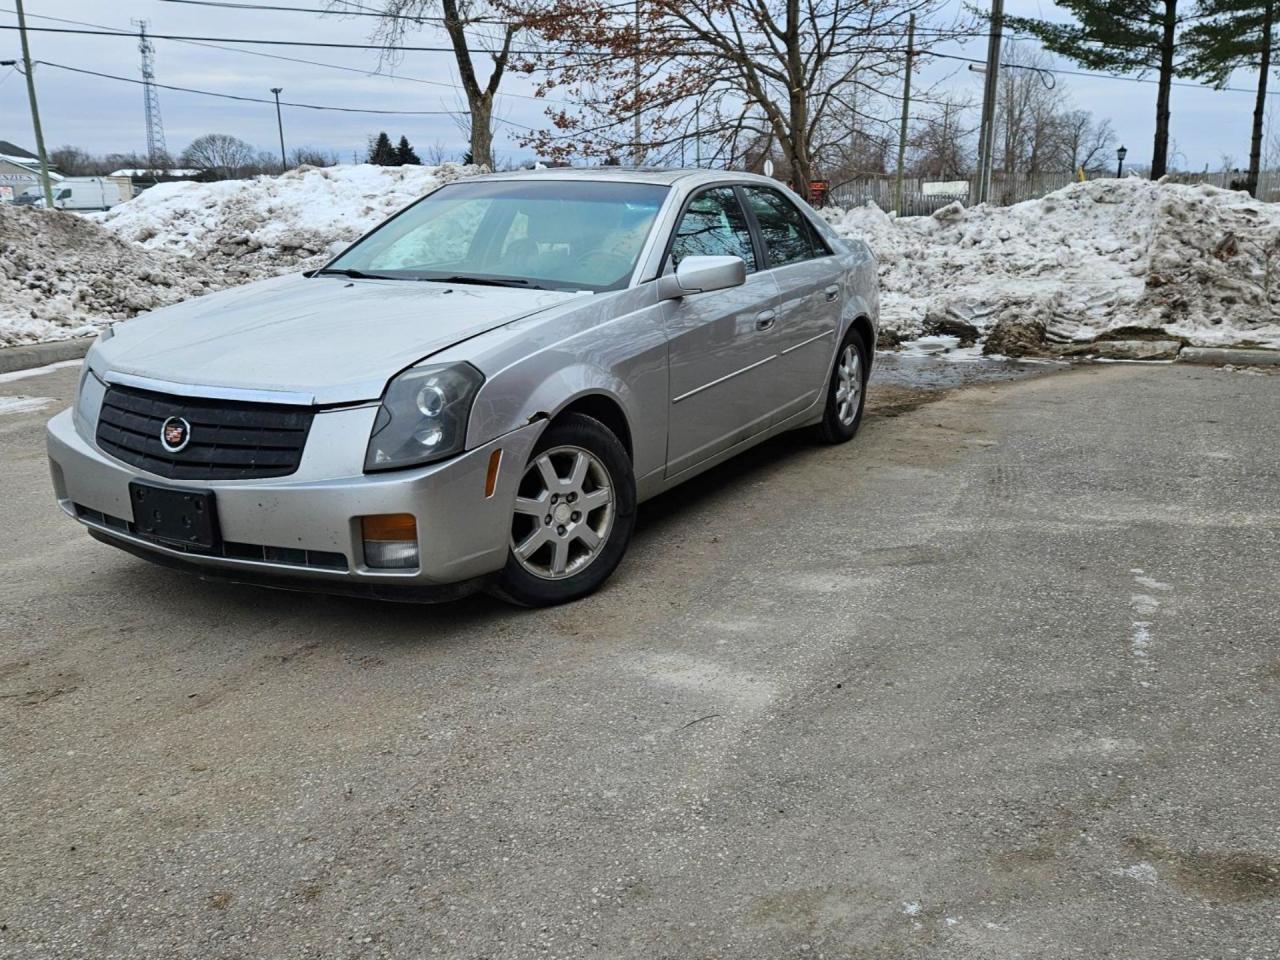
column 1237, row 356
column 29, row 355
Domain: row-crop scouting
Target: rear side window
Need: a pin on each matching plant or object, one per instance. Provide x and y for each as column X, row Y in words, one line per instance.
column 714, row 226
column 788, row 238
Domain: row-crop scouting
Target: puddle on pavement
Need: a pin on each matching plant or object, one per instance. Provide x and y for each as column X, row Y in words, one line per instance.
column 939, row 373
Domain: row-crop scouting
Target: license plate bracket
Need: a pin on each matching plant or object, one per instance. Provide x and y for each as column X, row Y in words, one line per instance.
column 186, row 518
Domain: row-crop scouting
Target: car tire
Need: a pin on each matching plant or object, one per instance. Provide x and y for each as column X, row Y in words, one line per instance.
column 843, row 412
column 559, row 553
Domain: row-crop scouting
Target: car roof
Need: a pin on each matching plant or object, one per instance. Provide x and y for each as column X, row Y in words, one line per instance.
column 657, row 175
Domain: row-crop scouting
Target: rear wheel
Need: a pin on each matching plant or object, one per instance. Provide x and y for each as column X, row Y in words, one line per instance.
column 846, row 392
column 573, row 515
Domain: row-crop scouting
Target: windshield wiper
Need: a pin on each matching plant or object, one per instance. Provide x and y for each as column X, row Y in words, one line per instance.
column 354, row 274
column 487, row 281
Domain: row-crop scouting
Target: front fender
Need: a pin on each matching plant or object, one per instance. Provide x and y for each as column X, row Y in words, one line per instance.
column 540, row 389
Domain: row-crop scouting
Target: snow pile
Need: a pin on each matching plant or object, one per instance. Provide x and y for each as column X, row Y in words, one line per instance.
column 63, row 276
column 248, row 229
column 1086, row 262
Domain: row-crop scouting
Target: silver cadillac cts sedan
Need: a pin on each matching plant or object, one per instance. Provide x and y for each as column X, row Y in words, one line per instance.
column 478, row 392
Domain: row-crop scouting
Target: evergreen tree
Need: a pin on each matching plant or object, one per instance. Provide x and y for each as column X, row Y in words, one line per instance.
column 405, row 154
column 381, row 152
column 1231, row 34
column 467, row 158
column 1123, row 36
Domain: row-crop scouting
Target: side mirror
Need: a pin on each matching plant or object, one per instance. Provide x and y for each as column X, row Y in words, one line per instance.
column 702, row 275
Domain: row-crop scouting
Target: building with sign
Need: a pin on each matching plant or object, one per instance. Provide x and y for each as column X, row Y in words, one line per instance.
column 19, row 171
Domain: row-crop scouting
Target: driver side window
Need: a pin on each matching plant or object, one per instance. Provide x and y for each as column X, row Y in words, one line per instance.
column 714, row 226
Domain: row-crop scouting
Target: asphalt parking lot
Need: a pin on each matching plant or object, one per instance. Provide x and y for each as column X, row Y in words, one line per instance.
column 999, row 679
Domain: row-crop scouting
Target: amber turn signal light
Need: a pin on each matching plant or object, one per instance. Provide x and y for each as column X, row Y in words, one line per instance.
column 389, row 526
column 491, row 480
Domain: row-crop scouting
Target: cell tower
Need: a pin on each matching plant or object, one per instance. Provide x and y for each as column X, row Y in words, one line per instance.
column 150, row 96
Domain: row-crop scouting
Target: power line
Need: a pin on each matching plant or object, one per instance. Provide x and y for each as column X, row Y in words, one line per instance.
column 708, row 53
column 272, row 43
column 283, row 103
column 310, row 63
column 363, row 11
column 1094, row 75
column 109, row 32
column 234, row 96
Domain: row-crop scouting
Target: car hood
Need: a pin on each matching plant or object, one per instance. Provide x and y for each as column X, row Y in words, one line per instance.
column 329, row 338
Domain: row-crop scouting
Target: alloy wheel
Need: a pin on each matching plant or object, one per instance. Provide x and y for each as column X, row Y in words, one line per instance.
column 564, row 512
column 848, row 384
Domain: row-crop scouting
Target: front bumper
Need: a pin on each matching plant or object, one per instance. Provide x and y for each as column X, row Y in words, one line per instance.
column 303, row 531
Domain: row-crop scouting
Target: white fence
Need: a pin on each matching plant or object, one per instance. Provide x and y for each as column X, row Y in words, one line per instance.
column 922, row 196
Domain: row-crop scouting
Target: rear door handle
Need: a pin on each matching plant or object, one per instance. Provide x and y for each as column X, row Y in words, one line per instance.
column 832, row 292
column 765, row 318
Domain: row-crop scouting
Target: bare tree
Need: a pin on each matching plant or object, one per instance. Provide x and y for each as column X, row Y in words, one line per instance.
column 312, row 157
column 435, row 154
column 943, row 142
column 1027, row 109
column 1037, row 128
column 717, row 76
column 74, row 162
column 1087, row 143
column 476, row 28
column 221, row 154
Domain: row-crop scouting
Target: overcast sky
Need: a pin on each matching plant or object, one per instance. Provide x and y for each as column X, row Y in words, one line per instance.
column 107, row 116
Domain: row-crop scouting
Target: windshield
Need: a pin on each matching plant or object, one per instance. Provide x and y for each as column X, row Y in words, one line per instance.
column 553, row 235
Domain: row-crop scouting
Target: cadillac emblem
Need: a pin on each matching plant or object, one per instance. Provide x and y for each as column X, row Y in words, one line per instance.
column 175, row 434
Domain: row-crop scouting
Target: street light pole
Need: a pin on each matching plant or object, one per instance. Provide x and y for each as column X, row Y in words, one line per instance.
column 284, row 164
column 1120, row 155
column 35, row 110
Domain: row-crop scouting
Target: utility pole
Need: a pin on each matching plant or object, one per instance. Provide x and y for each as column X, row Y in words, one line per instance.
column 35, row 110
column 637, row 154
column 987, row 137
column 284, row 164
column 906, row 106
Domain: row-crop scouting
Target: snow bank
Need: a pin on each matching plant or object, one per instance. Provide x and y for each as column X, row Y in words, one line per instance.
column 63, row 276
column 1197, row 262
column 248, row 229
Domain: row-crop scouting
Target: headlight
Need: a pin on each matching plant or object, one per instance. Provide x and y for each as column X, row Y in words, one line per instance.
column 423, row 416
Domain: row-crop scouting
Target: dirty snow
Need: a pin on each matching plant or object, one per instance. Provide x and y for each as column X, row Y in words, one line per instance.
column 1196, row 262
column 249, row 229
column 1038, row 278
column 22, row 404
column 24, row 374
column 63, row 276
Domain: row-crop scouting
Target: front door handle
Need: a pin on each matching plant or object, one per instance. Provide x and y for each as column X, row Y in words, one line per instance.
column 832, row 292
column 765, row 318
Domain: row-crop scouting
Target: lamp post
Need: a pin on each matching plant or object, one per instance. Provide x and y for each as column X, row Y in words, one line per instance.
column 1120, row 155
column 284, row 164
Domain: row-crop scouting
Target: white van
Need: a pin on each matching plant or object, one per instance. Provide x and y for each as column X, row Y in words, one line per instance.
column 83, row 193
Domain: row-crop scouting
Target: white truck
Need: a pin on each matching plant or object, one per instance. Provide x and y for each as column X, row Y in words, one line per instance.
column 82, row 193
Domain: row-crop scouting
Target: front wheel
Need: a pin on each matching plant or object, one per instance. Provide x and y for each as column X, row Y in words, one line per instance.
column 846, row 392
column 573, row 515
